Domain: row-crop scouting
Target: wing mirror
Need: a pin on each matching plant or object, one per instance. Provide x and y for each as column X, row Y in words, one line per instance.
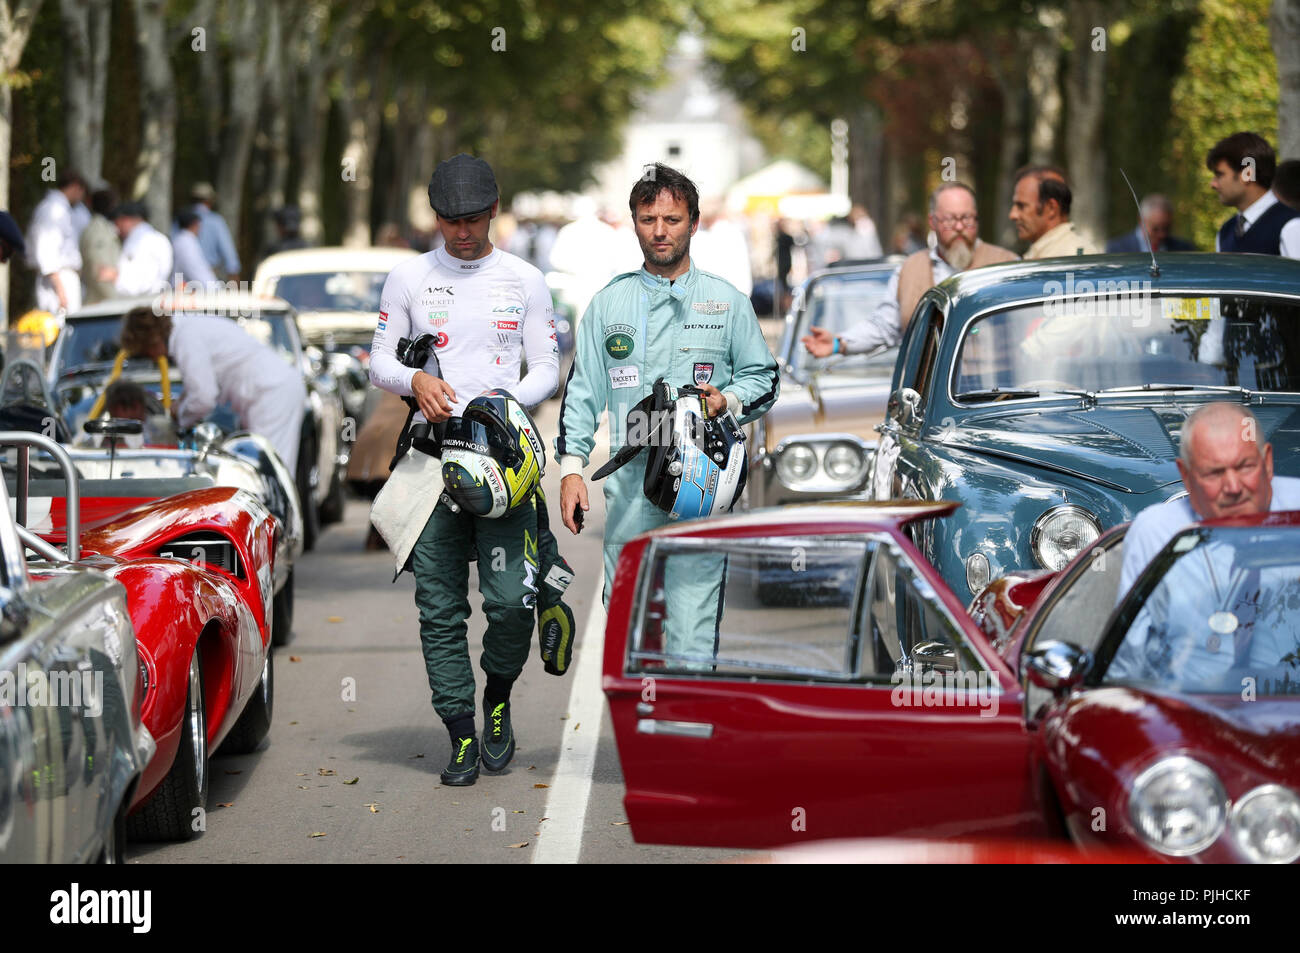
column 1057, row 666
column 907, row 406
column 934, row 656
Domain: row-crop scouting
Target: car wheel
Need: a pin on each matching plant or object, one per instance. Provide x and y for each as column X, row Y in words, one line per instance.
column 169, row 814
column 331, row 511
column 310, row 510
column 255, row 721
column 282, row 613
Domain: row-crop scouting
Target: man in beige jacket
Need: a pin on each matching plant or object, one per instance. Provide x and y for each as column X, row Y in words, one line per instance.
column 957, row 247
column 1040, row 210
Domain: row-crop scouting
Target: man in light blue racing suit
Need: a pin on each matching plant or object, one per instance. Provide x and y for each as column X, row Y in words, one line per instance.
column 667, row 320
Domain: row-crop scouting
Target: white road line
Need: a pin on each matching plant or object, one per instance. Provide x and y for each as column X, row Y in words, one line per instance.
column 560, row 841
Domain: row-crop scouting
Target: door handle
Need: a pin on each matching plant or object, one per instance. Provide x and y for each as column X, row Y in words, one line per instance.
column 687, row 729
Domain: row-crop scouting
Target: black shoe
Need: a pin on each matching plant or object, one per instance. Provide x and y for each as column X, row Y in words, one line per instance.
column 498, row 737
column 462, row 769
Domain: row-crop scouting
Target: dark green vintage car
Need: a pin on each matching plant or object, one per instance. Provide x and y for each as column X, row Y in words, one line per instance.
column 1047, row 396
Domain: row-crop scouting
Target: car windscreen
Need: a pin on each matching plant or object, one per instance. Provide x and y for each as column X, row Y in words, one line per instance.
column 1130, row 340
column 1219, row 606
column 91, row 341
column 333, row 290
column 837, row 302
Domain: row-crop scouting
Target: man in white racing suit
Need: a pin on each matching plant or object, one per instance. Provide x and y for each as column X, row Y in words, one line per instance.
column 485, row 308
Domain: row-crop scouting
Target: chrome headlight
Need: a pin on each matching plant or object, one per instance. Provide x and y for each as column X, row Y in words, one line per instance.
column 1266, row 825
column 796, row 464
column 1178, row 806
column 1062, row 533
column 822, row 463
column 844, row 462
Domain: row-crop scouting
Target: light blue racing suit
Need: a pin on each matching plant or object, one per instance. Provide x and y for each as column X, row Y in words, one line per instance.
column 695, row 330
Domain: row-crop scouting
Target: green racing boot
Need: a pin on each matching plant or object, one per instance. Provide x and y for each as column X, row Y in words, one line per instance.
column 498, row 736
column 462, row 769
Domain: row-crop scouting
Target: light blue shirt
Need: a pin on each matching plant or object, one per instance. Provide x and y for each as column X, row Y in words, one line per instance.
column 215, row 240
column 1157, row 525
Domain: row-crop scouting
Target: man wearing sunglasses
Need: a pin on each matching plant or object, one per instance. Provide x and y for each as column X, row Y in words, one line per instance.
column 955, row 247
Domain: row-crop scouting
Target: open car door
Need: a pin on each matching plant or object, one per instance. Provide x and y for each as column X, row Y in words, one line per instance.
column 767, row 682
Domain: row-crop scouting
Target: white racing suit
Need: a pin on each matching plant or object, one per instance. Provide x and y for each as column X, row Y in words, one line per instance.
column 696, row 330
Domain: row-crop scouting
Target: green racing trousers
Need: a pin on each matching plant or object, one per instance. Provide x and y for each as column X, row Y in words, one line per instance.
column 508, row 579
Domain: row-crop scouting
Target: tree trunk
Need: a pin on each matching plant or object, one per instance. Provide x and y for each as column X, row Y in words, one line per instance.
column 1085, row 146
column 211, row 98
column 1045, row 85
column 1284, row 28
column 361, row 106
column 411, row 153
column 157, row 159
column 85, row 70
column 273, row 143
column 244, row 99
column 313, row 62
column 866, row 166
column 1010, row 78
column 15, row 28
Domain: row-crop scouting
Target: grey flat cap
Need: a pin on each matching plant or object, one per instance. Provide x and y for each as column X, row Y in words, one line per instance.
column 462, row 186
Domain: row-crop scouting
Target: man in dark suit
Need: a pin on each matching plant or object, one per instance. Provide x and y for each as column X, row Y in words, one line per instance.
column 1158, row 217
column 1286, row 183
column 1243, row 165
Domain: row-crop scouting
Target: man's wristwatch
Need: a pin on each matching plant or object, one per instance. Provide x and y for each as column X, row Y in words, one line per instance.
column 836, row 348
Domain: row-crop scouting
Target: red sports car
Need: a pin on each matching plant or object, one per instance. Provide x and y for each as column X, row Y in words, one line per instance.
column 197, row 569
column 862, row 700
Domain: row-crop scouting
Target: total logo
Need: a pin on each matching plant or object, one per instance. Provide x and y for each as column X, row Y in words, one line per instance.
column 503, row 325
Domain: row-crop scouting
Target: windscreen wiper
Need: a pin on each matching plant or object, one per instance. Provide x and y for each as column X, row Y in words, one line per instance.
column 1220, row 388
column 996, row 394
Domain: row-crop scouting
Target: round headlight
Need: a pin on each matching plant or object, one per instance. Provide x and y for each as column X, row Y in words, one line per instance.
column 1178, row 806
column 1266, row 825
column 843, row 461
column 1062, row 533
column 797, row 464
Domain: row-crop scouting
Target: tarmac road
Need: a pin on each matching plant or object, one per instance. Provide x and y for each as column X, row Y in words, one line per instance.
column 352, row 702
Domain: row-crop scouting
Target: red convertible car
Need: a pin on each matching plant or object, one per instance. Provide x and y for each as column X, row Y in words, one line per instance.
column 878, row 707
column 197, row 568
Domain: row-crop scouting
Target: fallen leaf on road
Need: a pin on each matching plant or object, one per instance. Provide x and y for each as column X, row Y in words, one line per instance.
column 235, row 772
column 325, row 772
column 226, row 804
column 295, row 658
column 303, row 787
column 302, row 774
column 353, row 781
column 618, row 823
column 317, row 834
column 577, row 725
column 541, row 785
column 518, row 812
column 336, row 618
column 524, row 844
column 293, row 723
column 374, row 808
column 409, row 757
column 532, row 767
